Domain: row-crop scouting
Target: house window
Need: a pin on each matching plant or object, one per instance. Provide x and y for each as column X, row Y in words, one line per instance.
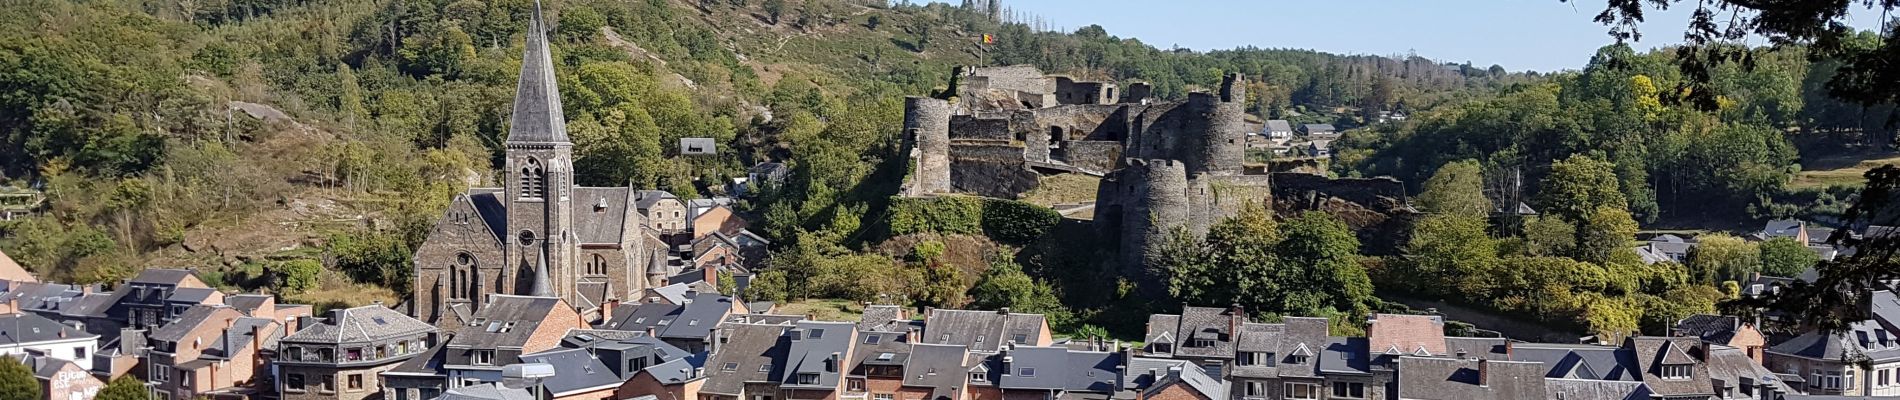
column 293, row 353
column 1252, row 358
column 817, row 333
column 1885, row 377
column 79, row 353
column 484, row 357
column 1255, row 389
column 326, row 354
column 1163, row 348
column 355, row 382
column 1296, row 359
column 1019, row 338
column 1203, row 342
column 161, row 374
column 1300, row 391
column 1676, row 371
column 184, row 377
column 765, row 368
column 883, row 396
column 808, row 378
column 329, row 384
column 979, row 377
column 1349, row 390
column 731, row 366
column 293, row 383
column 872, row 339
column 855, row 385
column 355, row 354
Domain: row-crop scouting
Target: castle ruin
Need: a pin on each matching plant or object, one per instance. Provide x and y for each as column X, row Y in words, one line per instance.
column 1164, row 165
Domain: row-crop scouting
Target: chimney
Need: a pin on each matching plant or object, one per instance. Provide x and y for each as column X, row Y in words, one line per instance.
column 1507, row 350
column 928, row 310
column 1174, row 372
column 716, row 335
column 912, row 335
column 257, row 337
column 607, row 309
column 1236, row 316
column 87, row 289
column 1004, row 311
column 1484, row 372
column 304, row 321
column 651, row 333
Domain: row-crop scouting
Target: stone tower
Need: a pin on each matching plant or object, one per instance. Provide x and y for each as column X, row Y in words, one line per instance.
column 1155, row 203
column 539, row 160
column 927, row 123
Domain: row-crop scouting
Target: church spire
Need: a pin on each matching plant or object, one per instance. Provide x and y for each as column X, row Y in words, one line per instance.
column 541, row 287
column 537, row 116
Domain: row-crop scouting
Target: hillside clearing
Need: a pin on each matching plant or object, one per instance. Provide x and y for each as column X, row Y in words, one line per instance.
column 1850, row 173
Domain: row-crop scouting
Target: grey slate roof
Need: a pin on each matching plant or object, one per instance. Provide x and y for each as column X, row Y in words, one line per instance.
column 640, row 318
column 1344, row 355
column 692, row 146
column 1304, row 337
column 879, row 348
column 427, row 363
column 1279, row 125
column 981, row 331
column 758, row 349
column 1653, row 352
column 1580, row 361
column 1732, row 367
column 162, row 276
column 1151, row 374
column 700, row 314
column 1485, row 348
column 1030, row 367
column 1782, row 228
column 361, row 325
column 32, row 328
column 883, row 318
column 192, row 317
column 645, row 199
column 1710, row 328
column 600, row 214
column 575, row 371
column 240, row 337
column 1590, row 389
column 1204, row 324
column 537, row 116
column 936, row 366
column 493, row 211
column 486, row 391
column 246, row 303
column 507, row 321
column 1093, row 371
column 1444, row 378
column 817, row 347
column 191, row 295
column 1865, row 338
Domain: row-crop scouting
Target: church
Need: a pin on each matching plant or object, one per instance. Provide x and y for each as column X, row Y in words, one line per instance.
column 539, row 234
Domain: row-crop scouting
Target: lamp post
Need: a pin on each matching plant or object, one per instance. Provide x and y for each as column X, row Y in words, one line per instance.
column 524, row 375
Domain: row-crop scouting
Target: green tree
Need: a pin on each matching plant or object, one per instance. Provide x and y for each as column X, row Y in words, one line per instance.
column 1325, row 248
column 774, row 9
column 297, row 276
column 1005, row 285
column 1449, row 254
column 1457, row 188
column 768, row 286
column 1578, row 186
column 124, row 388
column 1603, row 234
column 1719, row 256
column 1786, row 257
column 16, row 381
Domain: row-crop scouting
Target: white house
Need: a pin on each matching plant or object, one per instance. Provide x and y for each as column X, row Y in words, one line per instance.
column 37, row 335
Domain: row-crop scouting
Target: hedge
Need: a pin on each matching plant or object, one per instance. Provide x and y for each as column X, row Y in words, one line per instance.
column 1007, row 221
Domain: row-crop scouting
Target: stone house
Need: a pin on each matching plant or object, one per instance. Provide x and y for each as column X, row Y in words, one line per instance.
column 351, row 347
column 985, row 331
column 501, row 334
column 62, row 379
column 1723, row 330
column 662, row 209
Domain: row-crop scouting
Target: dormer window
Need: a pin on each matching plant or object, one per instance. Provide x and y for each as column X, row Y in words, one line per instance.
column 1296, row 359
column 1676, row 371
column 1019, row 338
column 1203, row 342
column 1162, row 348
column 808, row 378
column 979, row 377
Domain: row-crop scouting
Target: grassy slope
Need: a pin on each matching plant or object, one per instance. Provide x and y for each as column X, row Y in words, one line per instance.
column 1844, row 170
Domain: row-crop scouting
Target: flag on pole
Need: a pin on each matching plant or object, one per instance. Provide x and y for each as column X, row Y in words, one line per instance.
column 989, row 39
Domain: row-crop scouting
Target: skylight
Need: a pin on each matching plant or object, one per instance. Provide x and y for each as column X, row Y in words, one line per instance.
column 885, row 356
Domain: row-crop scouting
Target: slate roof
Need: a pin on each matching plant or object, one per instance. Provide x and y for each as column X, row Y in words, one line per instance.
column 1344, row 355
column 700, row 314
column 937, row 366
column 162, row 276
column 691, row 146
column 757, row 349
column 1783, row 228
column 817, row 347
column 361, row 325
column 575, row 371
column 1092, row 371
column 429, row 363
column 247, row 303
column 1732, row 367
column 241, row 336
column 1485, row 348
column 190, row 319
column 883, row 318
column 1445, row 378
column 879, row 348
column 1580, row 361
column 1590, row 389
column 1304, row 337
column 492, row 210
column 1279, row 125
column 191, row 295
column 44, row 368
column 486, row 391
column 537, row 116
column 645, row 199
column 981, row 331
column 1865, row 338
column 1153, row 374
column 32, row 328
column 600, row 214
column 1653, row 352
column 1198, row 324
column 507, row 321
column 91, row 305
column 639, row 318
column 1417, row 335
column 1030, row 367
column 1710, row 328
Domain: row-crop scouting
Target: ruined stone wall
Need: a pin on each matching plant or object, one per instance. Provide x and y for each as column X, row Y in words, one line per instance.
column 1021, row 78
column 1094, row 155
column 927, row 123
column 1071, row 91
column 1137, row 93
column 968, row 127
column 990, row 168
column 1375, row 208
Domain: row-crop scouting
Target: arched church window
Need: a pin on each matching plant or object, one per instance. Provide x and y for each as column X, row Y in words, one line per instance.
column 597, row 265
column 531, row 179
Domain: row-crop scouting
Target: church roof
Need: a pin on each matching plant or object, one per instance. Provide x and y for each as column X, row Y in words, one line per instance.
column 600, row 214
column 537, row 115
column 493, row 211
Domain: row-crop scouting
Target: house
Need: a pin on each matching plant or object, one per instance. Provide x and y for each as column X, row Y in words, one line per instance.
column 815, row 360
column 637, row 365
column 213, row 351
column 422, row 377
column 1157, row 378
column 61, row 379
column 1785, row 228
column 710, row 219
column 1319, row 130
column 1723, row 330
column 578, row 375
column 876, row 369
column 747, row 364
column 351, row 347
column 985, row 331
column 1666, row 248
column 698, row 147
column 1391, row 336
column 939, row 372
column 28, row 333
column 157, row 296
column 1278, row 130
column 688, row 324
column 500, row 333
column 1320, row 148
column 1432, row 378
column 1203, row 335
column 768, row 173
column 1862, row 360
column 662, row 209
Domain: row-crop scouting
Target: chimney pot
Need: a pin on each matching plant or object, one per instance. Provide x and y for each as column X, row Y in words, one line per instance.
column 1484, row 372
column 1004, row 311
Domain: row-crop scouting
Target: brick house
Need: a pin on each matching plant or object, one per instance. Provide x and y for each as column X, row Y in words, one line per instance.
column 1723, row 330
column 344, row 355
column 510, row 327
column 210, row 351
column 815, row 360
column 62, row 379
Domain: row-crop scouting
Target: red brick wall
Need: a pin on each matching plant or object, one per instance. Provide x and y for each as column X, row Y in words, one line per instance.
column 1176, row 392
column 553, row 327
column 644, row 384
column 985, row 393
column 71, row 383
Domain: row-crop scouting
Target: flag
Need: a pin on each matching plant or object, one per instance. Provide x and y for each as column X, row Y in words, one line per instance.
column 989, row 39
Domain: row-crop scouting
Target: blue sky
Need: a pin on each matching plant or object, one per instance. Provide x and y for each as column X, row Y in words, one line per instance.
column 1543, row 35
